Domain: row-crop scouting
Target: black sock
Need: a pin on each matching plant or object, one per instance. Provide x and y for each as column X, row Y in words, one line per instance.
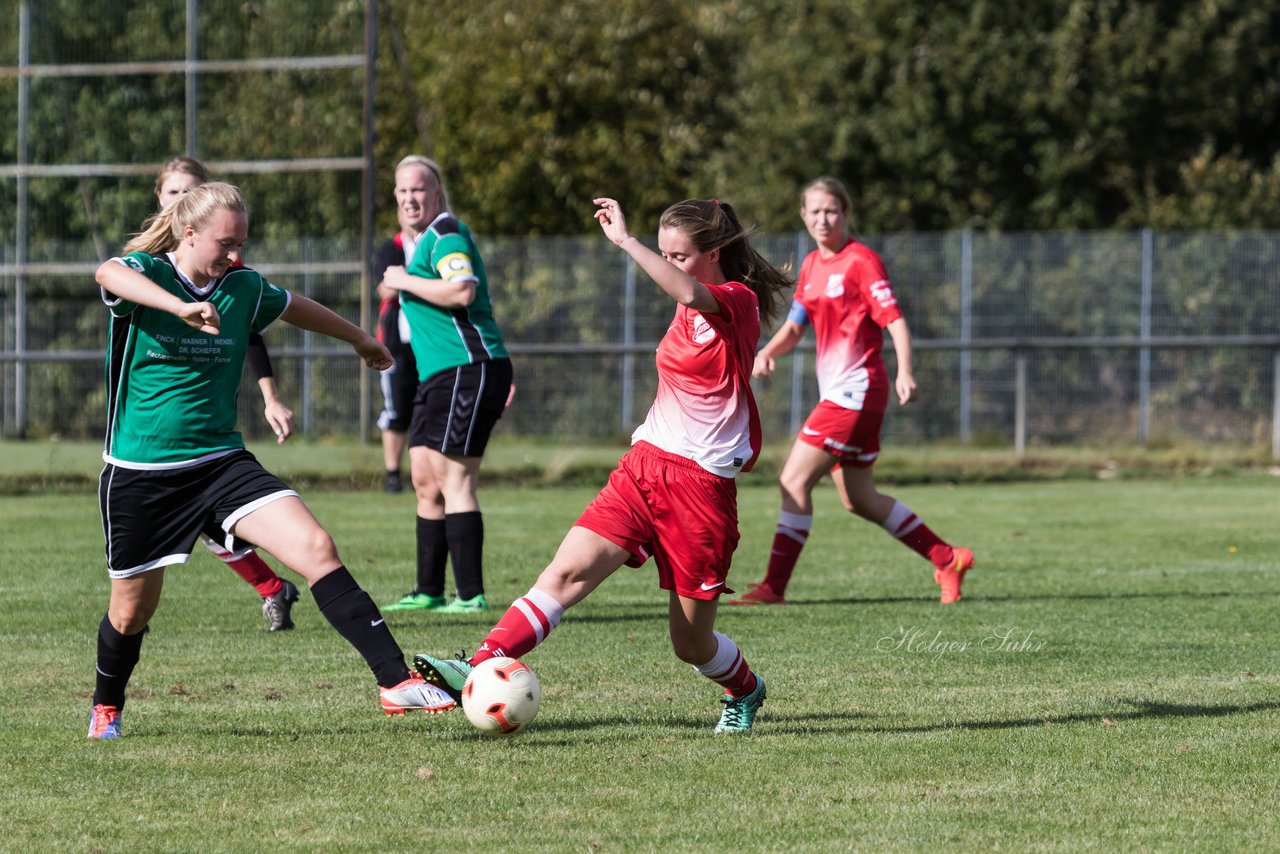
column 117, row 656
column 465, row 532
column 433, row 555
column 350, row 610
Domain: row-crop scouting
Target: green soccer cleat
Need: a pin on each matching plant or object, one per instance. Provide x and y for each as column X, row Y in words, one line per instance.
column 449, row 674
column 474, row 605
column 740, row 712
column 416, row 602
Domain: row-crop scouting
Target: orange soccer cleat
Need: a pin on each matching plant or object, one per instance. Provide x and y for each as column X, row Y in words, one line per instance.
column 952, row 576
column 104, row 722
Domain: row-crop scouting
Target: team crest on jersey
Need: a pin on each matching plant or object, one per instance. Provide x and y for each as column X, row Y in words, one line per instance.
column 702, row 331
column 135, row 264
column 835, row 285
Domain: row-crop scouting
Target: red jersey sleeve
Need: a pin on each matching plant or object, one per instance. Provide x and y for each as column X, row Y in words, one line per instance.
column 737, row 303
column 873, row 282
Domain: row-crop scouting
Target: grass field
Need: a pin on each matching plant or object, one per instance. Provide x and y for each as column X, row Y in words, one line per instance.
column 1110, row 682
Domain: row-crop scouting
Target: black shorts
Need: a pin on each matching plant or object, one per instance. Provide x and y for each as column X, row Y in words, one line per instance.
column 399, row 386
column 151, row 519
column 455, row 410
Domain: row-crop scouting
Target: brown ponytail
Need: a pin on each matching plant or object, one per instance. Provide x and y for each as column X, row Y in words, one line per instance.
column 713, row 224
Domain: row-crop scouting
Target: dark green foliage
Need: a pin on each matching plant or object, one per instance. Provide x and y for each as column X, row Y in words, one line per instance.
column 1051, row 114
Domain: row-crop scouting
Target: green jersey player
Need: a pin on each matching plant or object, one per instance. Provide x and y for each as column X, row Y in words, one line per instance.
column 175, row 464
column 464, row 384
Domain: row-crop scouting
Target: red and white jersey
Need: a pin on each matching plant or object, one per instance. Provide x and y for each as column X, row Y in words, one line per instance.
column 849, row 301
column 704, row 409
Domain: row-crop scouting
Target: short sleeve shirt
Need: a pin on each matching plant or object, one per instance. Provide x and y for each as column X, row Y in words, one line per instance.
column 444, row 338
column 848, row 300
column 172, row 389
column 704, row 409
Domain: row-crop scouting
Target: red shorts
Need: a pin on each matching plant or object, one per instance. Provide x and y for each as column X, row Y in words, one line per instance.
column 851, row 436
column 669, row 507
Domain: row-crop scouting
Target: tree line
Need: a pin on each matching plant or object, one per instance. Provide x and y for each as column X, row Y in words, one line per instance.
column 1038, row 114
column 1043, row 114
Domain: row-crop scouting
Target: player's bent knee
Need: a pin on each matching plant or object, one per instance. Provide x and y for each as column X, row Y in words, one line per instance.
column 129, row 619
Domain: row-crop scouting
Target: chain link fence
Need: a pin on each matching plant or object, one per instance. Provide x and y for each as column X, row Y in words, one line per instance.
column 1021, row 338
column 1037, row 338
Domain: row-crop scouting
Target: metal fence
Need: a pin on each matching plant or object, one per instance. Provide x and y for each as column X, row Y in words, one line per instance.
column 1021, row 339
column 86, row 121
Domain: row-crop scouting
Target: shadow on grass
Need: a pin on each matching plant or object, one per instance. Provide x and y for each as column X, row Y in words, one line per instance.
column 772, row 721
column 1014, row 598
column 1131, row 711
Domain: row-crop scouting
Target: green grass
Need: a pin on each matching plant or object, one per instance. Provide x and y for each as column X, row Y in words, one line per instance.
column 1135, row 704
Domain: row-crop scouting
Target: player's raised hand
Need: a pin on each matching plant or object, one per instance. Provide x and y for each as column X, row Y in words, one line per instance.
column 610, row 217
column 200, row 315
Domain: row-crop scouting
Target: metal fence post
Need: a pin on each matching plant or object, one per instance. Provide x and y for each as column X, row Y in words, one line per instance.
column 966, row 335
column 797, row 355
column 21, row 226
column 368, row 187
column 191, row 75
column 1275, row 405
column 1020, row 402
column 1144, row 333
column 6, row 410
column 629, row 339
column 308, row 339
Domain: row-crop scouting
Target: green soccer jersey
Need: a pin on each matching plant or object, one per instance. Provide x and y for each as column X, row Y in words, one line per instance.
column 171, row 389
column 444, row 338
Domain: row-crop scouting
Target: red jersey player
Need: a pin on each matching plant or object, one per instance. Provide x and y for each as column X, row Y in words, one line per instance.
column 844, row 293
column 673, row 495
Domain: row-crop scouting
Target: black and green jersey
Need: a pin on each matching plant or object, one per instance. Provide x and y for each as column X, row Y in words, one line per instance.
column 444, row 338
column 171, row 389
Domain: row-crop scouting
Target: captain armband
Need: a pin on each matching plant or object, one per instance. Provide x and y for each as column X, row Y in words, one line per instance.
column 797, row 314
column 455, row 266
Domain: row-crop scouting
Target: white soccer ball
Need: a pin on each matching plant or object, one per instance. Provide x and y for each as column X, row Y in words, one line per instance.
column 501, row 696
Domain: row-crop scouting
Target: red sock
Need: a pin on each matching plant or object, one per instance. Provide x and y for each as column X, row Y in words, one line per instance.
column 254, row 570
column 913, row 533
column 788, row 541
column 525, row 625
column 728, row 668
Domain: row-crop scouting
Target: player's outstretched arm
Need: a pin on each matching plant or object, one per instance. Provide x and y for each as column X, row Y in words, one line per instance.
column 678, row 284
column 309, row 314
column 128, row 284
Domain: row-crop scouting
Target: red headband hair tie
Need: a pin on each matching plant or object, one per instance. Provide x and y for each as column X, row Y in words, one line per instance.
column 715, row 202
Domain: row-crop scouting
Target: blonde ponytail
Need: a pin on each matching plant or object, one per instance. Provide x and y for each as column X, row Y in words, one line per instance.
column 162, row 232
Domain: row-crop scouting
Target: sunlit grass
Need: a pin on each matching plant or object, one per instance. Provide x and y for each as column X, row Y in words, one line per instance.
column 1111, row 681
